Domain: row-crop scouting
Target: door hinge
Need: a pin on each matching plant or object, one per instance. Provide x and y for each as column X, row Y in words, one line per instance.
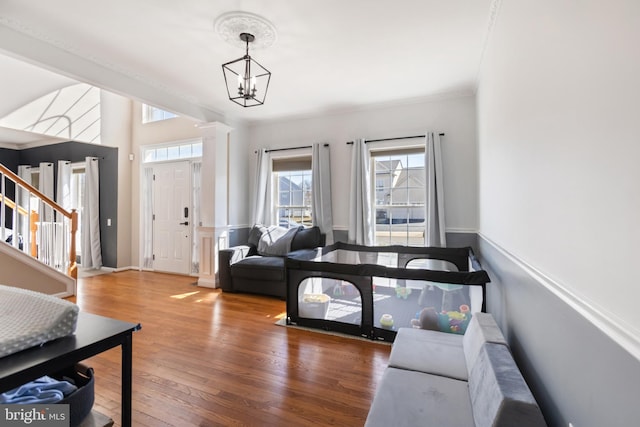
column 153, row 257
column 154, row 217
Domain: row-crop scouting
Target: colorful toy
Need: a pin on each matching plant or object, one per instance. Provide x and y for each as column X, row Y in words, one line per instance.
column 386, row 321
column 403, row 292
column 446, row 321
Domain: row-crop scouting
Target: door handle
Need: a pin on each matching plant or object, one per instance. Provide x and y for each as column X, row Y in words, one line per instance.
column 184, row 223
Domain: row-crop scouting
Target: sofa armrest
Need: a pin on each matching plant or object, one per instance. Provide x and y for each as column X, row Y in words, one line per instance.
column 226, row 257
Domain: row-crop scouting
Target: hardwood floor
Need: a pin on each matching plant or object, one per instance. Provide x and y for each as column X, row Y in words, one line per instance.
column 207, row 358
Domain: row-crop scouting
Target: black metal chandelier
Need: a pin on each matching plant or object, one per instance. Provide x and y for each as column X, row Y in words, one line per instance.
column 247, row 81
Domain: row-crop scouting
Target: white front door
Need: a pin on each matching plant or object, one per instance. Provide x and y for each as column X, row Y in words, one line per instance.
column 171, row 213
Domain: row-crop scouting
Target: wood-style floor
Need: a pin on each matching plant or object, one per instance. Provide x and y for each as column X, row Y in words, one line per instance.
column 207, row 358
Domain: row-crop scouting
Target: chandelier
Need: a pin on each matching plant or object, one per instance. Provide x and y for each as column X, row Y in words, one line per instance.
column 247, row 81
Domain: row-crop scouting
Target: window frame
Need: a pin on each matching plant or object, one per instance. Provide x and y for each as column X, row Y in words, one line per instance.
column 196, row 143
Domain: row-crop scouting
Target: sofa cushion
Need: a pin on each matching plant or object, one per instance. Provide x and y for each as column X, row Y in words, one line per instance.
column 260, row 268
column 409, row 398
column 255, row 233
column 307, row 238
column 430, row 352
column 276, row 241
column 499, row 395
column 482, row 328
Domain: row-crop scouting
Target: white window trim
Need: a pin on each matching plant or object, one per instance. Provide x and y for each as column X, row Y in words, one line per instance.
column 179, row 143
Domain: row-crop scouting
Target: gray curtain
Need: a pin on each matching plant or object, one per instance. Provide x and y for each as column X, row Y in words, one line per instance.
column 321, row 193
column 434, row 219
column 360, row 221
column 262, row 213
column 91, row 251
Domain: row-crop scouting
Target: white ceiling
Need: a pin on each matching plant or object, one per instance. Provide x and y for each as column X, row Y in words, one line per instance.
column 329, row 55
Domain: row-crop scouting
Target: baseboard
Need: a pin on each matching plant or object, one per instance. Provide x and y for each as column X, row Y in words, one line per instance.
column 131, row 267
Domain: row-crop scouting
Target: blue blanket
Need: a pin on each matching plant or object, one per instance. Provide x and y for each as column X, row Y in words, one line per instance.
column 42, row 390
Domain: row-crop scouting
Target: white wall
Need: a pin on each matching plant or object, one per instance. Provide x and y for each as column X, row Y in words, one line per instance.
column 453, row 115
column 176, row 129
column 116, row 132
column 558, row 150
column 240, row 163
column 180, row 129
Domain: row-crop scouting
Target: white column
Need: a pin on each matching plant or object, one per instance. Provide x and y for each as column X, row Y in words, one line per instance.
column 213, row 230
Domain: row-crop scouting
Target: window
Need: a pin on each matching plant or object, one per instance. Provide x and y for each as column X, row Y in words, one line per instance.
column 399, row 203
column 292, row 181
column 176, row 151
column 153, row 114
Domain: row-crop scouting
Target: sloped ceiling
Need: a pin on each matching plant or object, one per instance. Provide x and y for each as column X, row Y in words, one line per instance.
column 329, row 56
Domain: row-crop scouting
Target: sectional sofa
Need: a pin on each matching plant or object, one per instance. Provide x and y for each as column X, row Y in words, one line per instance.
column 446, row 380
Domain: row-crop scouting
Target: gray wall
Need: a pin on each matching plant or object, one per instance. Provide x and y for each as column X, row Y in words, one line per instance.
column 575, row 371
column 558, row 193
column 76, row 152
column 9, row 158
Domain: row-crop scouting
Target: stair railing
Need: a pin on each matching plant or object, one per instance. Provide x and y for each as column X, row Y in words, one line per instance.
column 46, row 232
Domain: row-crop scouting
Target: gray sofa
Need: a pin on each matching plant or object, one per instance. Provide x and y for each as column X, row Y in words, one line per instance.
column 258, row 267
column 439, row 379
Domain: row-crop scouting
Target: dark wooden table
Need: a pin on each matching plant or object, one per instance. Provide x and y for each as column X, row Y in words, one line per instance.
column 94, row 334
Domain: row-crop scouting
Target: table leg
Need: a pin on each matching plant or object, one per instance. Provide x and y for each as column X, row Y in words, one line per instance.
column 127, row 356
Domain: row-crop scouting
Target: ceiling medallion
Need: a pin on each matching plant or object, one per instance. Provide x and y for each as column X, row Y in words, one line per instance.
column 229, row 25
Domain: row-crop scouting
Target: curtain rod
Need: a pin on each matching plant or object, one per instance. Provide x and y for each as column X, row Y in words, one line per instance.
column 392, row 139
column 290, row 148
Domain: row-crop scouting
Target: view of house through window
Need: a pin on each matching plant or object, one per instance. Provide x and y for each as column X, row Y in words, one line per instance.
column 292, row 178
column 399, row 180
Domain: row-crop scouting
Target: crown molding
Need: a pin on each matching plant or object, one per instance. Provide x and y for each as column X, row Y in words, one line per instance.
column 494, row 8
column 436, row 97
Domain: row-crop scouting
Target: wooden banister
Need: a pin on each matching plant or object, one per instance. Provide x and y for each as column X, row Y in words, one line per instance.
column 33, row 229
column 34, row 217
column 7, row 201
column 15, row 178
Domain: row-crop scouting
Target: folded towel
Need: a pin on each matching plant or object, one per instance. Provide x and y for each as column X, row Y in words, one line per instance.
column 42, row 390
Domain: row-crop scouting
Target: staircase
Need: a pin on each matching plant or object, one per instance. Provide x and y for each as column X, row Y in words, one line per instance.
column 37, row 248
